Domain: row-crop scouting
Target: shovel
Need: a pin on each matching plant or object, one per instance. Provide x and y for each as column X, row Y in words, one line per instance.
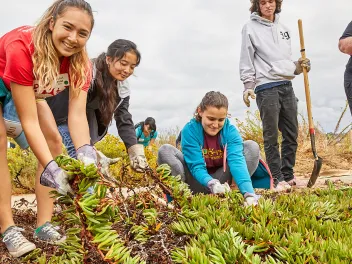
column 317, row 160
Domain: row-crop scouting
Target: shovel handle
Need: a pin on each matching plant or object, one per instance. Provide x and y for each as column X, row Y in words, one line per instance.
column 306, row 81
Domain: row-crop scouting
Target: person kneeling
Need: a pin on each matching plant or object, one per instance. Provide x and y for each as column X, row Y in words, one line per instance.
column 213, row 153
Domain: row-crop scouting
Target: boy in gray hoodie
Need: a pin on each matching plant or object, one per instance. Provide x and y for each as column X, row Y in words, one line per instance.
column 266, row 69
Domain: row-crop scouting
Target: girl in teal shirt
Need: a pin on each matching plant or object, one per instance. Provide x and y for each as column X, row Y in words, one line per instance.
column 146, row 132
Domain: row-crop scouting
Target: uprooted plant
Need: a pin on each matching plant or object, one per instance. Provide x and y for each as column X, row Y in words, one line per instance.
column 124, row 220
column 115, row 224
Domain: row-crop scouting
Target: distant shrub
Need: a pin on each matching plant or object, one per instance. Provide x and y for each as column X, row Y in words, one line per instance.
column 22, row 166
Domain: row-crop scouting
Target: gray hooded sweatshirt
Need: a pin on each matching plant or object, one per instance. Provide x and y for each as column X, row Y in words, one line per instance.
column 265, row 52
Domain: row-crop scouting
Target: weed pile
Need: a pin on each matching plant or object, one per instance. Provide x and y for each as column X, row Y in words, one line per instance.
column 123, row 219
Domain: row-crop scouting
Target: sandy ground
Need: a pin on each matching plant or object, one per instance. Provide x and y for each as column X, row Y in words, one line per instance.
column 24, row 201
column 28, row 201
column 345, row 176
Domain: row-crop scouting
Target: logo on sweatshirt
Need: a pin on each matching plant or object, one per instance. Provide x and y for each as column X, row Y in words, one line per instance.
column 285, row 35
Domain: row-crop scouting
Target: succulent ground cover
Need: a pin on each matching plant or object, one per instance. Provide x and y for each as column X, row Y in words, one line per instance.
column 125, row 221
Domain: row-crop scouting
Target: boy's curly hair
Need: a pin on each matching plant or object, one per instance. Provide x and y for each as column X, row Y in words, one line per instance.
column 255, row 6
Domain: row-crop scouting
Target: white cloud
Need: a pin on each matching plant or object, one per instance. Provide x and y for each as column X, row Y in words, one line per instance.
column 191, row 47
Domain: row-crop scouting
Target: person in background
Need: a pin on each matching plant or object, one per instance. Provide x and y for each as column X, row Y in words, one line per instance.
column 345, row 46
column 108, row 97
column 178, row 140
column 35, row 63
column 146, row 132
column 213, row 153
column 266, row 69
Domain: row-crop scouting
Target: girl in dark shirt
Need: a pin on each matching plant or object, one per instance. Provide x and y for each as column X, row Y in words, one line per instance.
column 108, row 96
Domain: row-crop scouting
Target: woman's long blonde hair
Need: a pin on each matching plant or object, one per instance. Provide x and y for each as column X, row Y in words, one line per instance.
column 45, row 59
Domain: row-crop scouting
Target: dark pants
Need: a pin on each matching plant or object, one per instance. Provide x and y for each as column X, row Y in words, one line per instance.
column 348, row 91
column 278, row 111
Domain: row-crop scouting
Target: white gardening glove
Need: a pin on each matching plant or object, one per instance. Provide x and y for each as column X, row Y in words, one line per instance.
column 137, row 158
column 246, row 94
column 55, row 177
column 227, row 187
column 248, row 91
column 250, row 199
column 302, row 63
column 87, row 154
column 105, row 162
column 216, row 187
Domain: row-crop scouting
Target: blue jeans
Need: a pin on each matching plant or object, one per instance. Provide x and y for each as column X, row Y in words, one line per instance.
column 11, row 119
column 66, row 139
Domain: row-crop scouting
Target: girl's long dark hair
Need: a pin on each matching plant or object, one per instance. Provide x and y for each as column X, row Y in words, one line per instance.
column 105, row 84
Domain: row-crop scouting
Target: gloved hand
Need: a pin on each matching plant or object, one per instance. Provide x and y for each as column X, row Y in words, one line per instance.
column 137, row 158
column 250, row 199
column 105, row 162
column 300, row 64
column 216, row 187
column 87, row 154
column 246, row 94
column 55, row 177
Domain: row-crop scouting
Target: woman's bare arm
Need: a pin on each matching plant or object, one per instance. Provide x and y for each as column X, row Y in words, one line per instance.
column 77, row 120
column 24, row 99
column 152, row 142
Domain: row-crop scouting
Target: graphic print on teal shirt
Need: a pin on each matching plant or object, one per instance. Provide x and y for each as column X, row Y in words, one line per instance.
column 142, row 139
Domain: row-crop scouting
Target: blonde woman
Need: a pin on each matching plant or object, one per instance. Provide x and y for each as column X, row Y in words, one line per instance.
column 35, row 63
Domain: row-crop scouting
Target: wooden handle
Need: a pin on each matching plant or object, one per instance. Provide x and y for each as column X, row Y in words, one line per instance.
column 301, row 38
column 306, row 81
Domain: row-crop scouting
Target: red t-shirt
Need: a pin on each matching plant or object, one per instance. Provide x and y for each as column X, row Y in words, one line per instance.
column 16, row 50
column 212, row 152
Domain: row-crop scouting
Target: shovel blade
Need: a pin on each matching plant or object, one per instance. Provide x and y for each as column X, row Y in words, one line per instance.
column 315, row 173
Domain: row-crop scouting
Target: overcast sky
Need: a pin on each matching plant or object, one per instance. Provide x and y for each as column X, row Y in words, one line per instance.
column 190, row 47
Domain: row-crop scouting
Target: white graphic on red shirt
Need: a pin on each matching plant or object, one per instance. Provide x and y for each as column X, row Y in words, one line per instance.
column 61, row 83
